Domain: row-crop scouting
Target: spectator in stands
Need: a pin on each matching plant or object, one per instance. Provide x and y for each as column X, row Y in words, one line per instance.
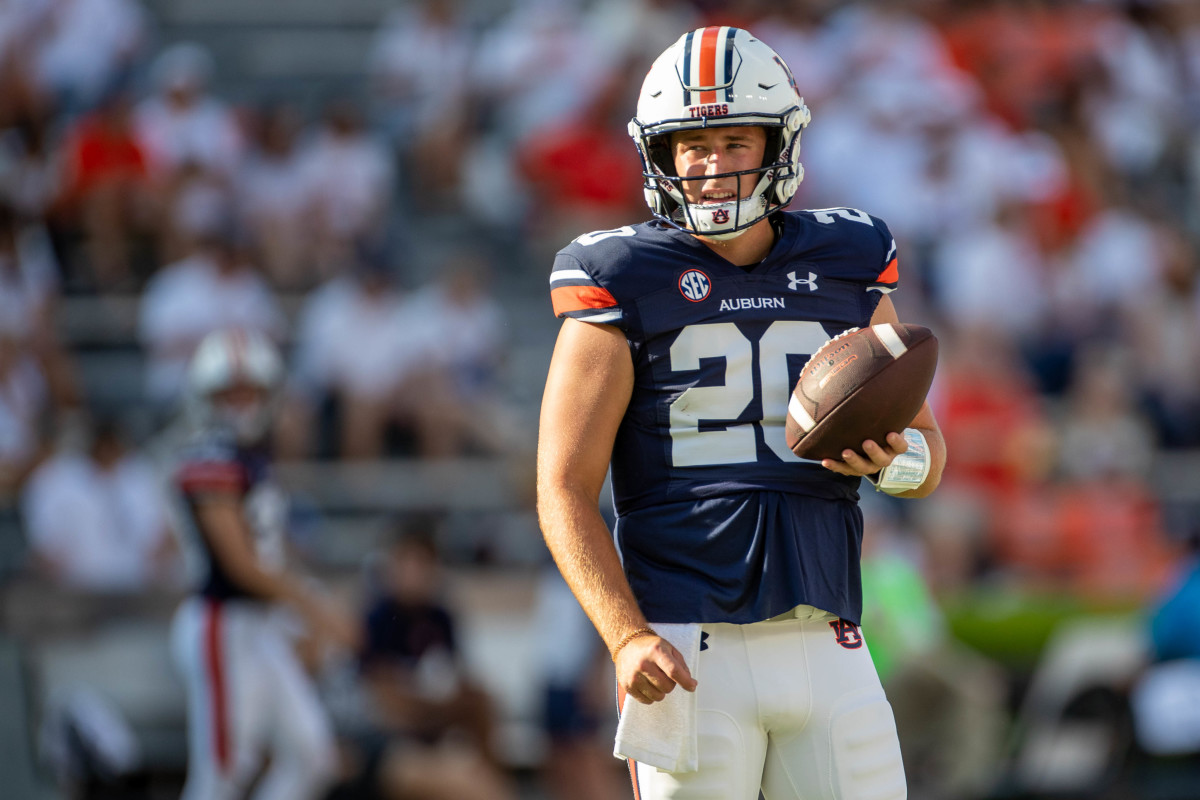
column 636, row 31
column 29, row 285
column 349, row 175
column 1112, row 265
column 23, row 396
column 456, row 390
column 1097, row 529
column 466, row 325
column 419, row 67
column 105, row 193
column 214, row 287
column 29, row 279
column 1102, row 433
column 1001, row 436
column 85, row 47
column 184, row 130
column 800, row 34
column 1135, row 66
column 28, row 288
column 30, row 164
column 181, row 122
column 96, row 518
column 989, row 409
column 356, row 346
column 572, row 169
column 992, row 269
column 536, row 67
column 1165, row 337
column 273, row 199
column 416, row 684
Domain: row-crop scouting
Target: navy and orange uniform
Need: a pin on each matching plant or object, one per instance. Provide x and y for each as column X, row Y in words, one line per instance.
column 717, row 520
column 212, row 463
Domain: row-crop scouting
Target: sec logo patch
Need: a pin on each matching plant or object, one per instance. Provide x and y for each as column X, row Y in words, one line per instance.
column 694, row 285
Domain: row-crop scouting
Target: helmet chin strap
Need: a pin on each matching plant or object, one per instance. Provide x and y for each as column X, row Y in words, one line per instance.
column 698, row 219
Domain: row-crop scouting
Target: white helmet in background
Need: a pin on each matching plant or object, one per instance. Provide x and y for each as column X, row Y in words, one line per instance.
column 230, row 358
column 719, row 77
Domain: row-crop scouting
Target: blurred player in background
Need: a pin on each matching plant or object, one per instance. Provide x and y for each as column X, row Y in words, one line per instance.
column 735, row 573
column 235, row 639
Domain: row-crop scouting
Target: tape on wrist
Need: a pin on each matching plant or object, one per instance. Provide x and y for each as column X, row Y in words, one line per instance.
column 907, row 470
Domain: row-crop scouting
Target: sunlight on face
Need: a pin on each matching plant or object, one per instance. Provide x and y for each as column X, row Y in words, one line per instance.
column 717, row 151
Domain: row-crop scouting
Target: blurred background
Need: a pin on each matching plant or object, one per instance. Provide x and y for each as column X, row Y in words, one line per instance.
column 380, row 187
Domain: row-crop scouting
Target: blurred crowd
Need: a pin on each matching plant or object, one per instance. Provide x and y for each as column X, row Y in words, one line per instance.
column 1037, row 160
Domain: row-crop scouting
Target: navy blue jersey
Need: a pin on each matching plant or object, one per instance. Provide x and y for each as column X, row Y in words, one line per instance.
column 213, row 463
column 717, row 520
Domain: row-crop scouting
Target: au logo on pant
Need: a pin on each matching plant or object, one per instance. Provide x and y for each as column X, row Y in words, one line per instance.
column 848, row 635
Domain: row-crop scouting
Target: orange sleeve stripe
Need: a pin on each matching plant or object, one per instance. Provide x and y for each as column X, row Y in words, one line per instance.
column 891, row 273
column 578, row 298
column 211, row 476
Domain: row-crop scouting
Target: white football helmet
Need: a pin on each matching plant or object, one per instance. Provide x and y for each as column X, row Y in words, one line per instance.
column 228, row 358
column 719, row 77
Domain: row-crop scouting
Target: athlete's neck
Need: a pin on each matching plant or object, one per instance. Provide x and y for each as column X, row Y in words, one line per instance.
column 749, row 248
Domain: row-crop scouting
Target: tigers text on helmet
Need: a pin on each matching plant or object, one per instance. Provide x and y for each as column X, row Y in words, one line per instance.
column 719, row 77
column 227, row 359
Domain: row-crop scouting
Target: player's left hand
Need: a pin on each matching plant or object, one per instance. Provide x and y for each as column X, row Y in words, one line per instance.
column 872, row 459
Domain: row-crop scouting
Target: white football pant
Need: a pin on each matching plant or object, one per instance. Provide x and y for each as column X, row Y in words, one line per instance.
column 791, row 705
column 248, row 695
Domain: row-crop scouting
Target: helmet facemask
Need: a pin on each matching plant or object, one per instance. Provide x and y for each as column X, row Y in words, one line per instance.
column 248, row 422
column 723, row 220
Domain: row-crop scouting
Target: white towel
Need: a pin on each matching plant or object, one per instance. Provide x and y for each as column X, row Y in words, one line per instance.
column 663, row 734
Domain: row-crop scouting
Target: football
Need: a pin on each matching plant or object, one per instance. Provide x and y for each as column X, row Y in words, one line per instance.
column 862, row 384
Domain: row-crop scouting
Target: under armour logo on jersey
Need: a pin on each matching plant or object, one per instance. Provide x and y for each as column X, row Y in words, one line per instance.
column 848, row 635
column 795, row 283
column 703, row 640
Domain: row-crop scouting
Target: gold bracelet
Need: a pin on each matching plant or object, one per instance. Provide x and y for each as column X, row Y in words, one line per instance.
column 629, row 637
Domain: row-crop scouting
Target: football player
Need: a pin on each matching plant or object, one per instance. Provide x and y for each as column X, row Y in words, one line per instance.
column 681, row 342
column 234, row 640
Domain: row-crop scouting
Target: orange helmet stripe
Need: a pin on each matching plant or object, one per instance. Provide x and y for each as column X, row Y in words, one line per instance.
column 708, row 63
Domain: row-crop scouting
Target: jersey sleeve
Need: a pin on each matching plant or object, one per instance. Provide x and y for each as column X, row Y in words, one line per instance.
column 887, row 278
column 575, row 293
column 211, row 468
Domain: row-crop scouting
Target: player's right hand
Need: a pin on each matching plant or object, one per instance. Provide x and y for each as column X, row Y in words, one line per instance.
column 649, row 667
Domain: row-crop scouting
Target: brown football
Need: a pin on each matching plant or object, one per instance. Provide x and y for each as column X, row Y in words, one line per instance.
column 861, row 384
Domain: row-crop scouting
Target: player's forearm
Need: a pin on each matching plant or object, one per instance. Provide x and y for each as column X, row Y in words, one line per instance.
column 583, row 549
column 228, row 536
column 269, row 586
